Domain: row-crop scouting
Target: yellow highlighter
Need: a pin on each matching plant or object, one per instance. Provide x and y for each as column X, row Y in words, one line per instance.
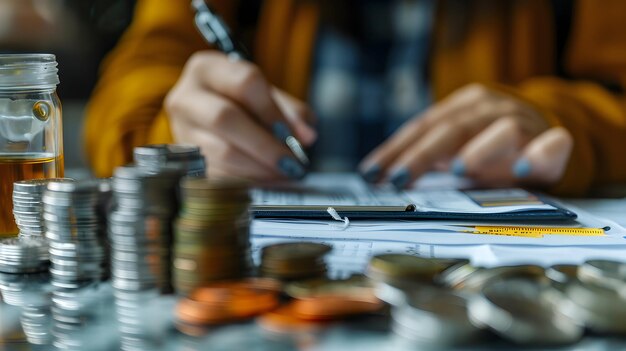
column 535, row 232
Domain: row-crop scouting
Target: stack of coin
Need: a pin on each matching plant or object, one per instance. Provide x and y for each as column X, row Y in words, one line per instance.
column 140, row 236
column 105, row 194
column 139, row 227
column 23, row 255
column 30, row 292
column 293, row 261
column 80, row 315
column 185, row 157
column 76, row 253
column 212, row 236
column 28, row 206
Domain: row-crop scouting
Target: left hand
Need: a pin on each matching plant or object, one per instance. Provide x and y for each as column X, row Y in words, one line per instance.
column 491, row 137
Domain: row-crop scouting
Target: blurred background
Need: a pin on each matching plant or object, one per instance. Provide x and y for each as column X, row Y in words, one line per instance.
column 79, row 33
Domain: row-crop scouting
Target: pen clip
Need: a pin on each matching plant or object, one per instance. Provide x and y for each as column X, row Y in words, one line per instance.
column 215, row 31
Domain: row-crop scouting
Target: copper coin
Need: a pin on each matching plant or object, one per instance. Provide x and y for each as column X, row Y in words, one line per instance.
column 335, row 306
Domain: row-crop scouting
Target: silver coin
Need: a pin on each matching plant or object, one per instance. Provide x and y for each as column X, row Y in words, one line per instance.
column 609, row 273
column 597, row 306
column 524, row 311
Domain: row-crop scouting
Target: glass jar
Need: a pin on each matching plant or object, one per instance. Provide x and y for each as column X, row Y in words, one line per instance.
column 31, row 131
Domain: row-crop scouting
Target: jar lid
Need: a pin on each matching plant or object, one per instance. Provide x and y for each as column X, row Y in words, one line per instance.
column 28, row 71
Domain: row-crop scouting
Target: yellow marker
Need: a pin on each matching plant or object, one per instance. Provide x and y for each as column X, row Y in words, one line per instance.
column 536, row 232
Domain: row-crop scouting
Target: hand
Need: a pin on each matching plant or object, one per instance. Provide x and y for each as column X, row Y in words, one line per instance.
column 237, row 118
column 479, row 133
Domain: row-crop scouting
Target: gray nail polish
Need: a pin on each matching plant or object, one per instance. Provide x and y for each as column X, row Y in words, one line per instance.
column 281, row 131
column 400, row 178
column 458, row 167
column 371, row 174
column 521, row 168
column 291, row 168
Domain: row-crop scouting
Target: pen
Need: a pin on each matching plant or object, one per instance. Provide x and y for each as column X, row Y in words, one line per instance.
column 215, row 32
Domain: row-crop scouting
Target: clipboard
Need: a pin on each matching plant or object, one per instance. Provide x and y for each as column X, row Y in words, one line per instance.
column 492, row 205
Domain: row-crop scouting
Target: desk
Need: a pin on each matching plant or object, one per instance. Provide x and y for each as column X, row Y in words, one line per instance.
column 155, row 322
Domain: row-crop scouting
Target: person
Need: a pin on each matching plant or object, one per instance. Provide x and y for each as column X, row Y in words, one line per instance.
column 521, row 92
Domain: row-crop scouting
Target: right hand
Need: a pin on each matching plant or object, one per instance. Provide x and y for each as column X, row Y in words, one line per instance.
column 229, row 110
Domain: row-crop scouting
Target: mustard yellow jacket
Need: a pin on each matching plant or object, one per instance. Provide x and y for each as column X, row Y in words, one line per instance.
column 511, row 43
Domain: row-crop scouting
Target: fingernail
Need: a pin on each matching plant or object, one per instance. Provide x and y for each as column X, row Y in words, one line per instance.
column 521, row 168
column 281, row 131
column 458, row 167
column 291, row 168
column 371, row 174
column 400, row 178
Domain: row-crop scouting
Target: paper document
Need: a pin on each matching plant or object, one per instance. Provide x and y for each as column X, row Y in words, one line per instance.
column 437, row 231
column 355, row 244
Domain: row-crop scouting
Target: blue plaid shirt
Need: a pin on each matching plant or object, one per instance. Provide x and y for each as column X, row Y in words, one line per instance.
column 363, row 91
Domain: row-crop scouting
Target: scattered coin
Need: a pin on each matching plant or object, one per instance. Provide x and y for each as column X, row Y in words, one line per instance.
column 473, row 279
column 292, row 261
column 604, row 272
column 332, row 307
column 283, row 321
column 226, row 302
column 397, row 268
column 522, row 311
column 597, row 306
column 433, row 318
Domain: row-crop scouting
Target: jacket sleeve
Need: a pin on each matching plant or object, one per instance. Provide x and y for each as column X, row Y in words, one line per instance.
column 595, row 115
column 125, row 109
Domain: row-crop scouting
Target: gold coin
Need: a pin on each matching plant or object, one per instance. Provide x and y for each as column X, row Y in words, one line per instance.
column 403, row 265
column 300, row 250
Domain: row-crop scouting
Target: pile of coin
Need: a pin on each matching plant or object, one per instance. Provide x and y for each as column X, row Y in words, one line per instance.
column 23, row 255
column 157, row 156
column 292, row 261
column 532, row 309
column 226, row 302
column 76, row 251
column 317, row 301
column 212, row 235
column 596, row 296
column 524, row 304
column 314, row 303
